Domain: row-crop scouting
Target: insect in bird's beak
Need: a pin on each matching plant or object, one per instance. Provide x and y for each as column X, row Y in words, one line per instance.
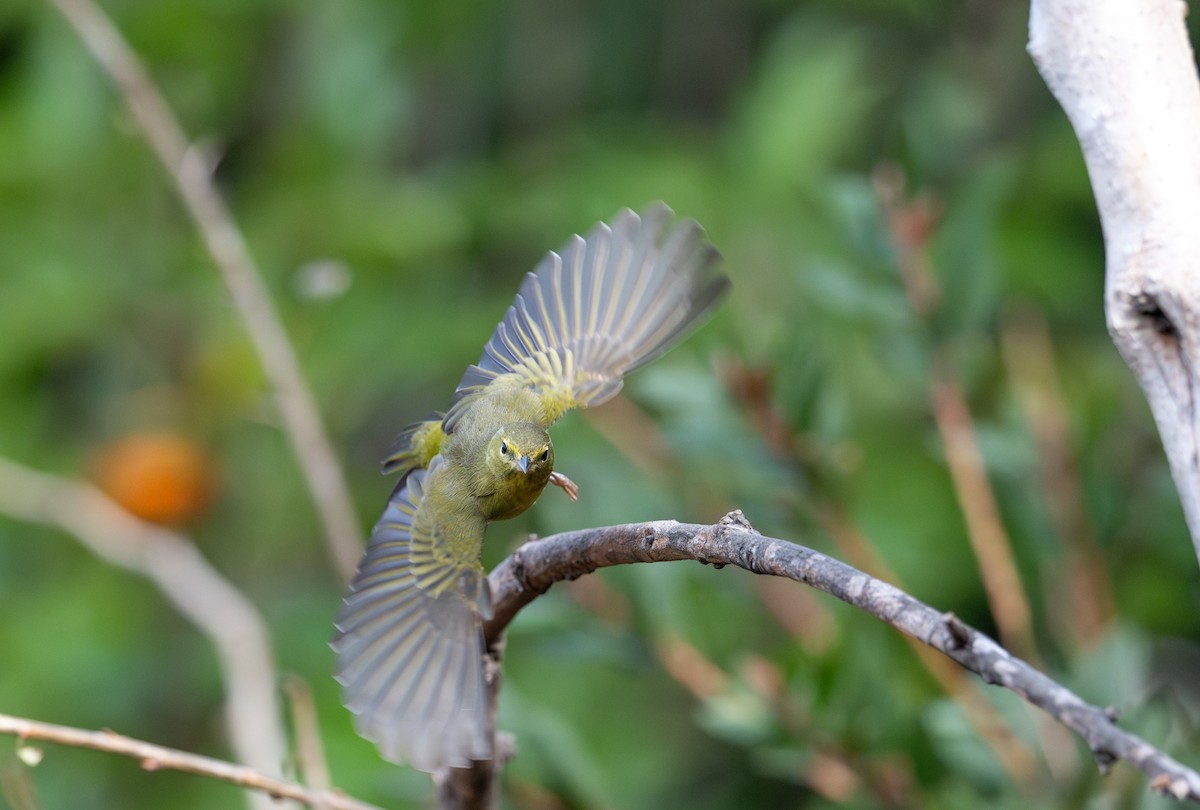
column 523, row 464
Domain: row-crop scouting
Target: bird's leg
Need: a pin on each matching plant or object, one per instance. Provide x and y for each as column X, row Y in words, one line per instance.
column 569, row 486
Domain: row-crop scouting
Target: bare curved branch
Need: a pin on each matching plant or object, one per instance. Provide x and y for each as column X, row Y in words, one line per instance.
column 156, row 757
column 538, row 564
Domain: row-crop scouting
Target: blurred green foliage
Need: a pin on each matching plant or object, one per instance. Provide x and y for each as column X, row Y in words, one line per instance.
column 396, row 167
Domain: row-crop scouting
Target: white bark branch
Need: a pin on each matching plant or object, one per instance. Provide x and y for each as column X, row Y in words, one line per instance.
column 1125, row 75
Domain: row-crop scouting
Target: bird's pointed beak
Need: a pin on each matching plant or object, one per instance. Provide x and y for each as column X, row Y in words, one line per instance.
column 523, row 464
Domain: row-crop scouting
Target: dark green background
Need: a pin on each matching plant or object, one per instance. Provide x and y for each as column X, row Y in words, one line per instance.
column 434, row 150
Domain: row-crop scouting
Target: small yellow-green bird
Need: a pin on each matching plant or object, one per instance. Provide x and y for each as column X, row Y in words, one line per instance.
column 409, row 637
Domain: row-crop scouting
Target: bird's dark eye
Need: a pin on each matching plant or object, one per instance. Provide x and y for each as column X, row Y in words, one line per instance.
column 504, row 448
column 545, row 455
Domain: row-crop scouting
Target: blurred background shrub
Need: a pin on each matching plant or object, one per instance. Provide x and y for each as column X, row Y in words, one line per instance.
column 903, row 211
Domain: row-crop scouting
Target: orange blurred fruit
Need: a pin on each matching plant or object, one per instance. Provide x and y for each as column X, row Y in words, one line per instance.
column 160, row 477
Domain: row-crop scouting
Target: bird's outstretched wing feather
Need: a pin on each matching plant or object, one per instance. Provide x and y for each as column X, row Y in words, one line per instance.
column 409, row 641
column 602, row 307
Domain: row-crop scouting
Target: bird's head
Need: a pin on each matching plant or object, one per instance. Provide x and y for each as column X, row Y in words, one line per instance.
column 522, row 448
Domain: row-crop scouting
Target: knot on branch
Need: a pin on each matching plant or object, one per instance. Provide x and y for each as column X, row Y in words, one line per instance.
column 650, row 539
column 1151, row 313
column 1105, row 760
column 960, row 634
column 737, row 519
column 520, row 571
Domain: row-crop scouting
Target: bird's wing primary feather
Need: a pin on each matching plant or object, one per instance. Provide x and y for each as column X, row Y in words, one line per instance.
column 409, row 641
column 603, row 306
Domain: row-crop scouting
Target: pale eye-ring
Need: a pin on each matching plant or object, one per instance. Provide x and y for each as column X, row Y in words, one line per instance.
column 504, row 448
column 545, row 454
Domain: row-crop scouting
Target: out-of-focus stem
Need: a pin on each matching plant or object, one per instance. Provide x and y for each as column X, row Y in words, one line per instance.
column 191, row 175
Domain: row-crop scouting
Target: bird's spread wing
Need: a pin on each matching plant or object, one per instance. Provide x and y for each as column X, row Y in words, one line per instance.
column 603, row 306
column 409, row 641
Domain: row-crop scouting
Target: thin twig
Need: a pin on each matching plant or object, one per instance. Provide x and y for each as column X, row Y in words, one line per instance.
column 192, row 177
column 985, row 529
column 156, row 757
column 1088, row 611
column 310, row 752
column 169, row 560
column 16, row 787
column 537, row 565
column 912, row 220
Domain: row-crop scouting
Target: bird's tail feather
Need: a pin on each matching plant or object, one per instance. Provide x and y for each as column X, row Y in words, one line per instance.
column 414, row 448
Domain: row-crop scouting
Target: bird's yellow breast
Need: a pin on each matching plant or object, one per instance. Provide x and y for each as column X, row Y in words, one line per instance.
column 514, row 494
